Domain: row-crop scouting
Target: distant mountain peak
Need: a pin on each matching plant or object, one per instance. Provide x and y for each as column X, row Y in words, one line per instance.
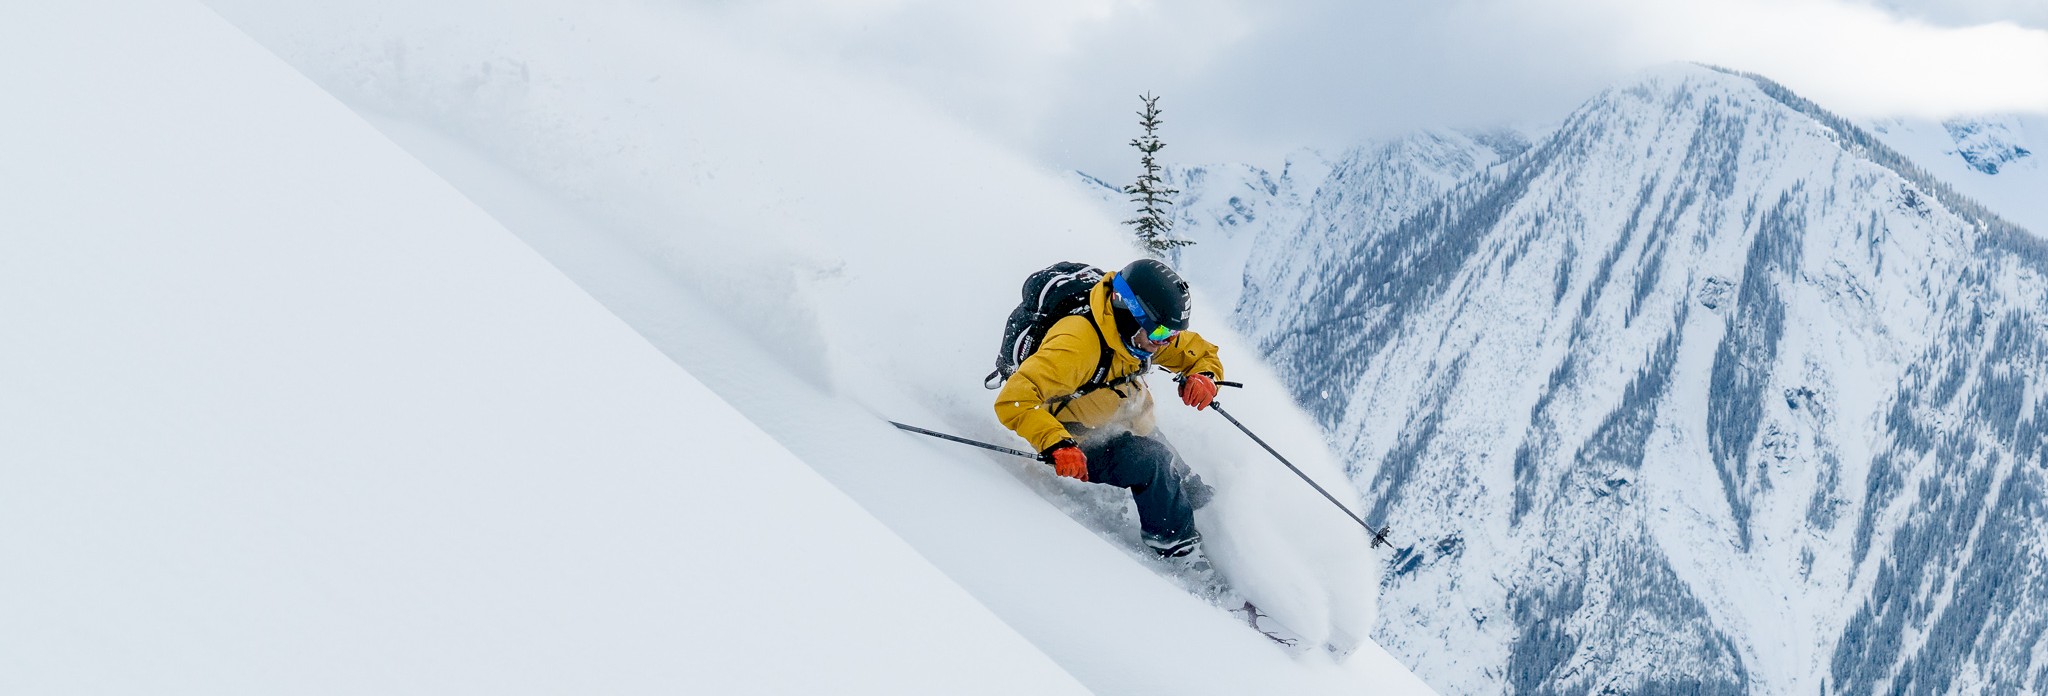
column 1690, row 364
column 1988, row 145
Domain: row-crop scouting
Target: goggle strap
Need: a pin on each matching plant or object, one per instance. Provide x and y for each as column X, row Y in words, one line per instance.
column 1130, row 297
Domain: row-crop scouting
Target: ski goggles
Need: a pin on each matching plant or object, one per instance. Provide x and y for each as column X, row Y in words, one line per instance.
column 1154, row 331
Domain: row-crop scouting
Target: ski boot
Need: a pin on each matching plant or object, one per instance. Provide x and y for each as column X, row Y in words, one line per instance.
column 1173, row 548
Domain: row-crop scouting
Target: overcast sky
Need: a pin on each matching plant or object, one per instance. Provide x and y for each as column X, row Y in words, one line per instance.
column 1250, row 81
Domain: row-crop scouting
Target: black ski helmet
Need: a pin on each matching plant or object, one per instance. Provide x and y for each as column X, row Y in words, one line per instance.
column 1161, row 291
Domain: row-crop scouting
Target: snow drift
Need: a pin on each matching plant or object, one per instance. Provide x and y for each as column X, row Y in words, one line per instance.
column 285, row 414
column 420, row 409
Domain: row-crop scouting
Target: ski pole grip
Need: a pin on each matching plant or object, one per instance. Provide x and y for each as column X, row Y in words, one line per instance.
column 1177, row 378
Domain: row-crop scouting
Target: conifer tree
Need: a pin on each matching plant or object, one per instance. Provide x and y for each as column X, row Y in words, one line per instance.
column 1150, row 193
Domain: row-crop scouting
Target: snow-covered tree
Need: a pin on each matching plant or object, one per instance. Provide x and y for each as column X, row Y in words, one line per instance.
column 1150, row 192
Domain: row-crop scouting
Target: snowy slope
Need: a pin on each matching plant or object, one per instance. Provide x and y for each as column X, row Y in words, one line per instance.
column 1369, row 188
column 1706, row 392
column 1997, row 160
column 823, row 269
column 284, row 413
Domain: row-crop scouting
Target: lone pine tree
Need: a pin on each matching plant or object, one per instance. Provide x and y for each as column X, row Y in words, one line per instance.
column 1150, row 193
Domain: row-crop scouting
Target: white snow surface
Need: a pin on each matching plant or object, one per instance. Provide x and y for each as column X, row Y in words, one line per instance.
column 286, row 414
column 289, row 412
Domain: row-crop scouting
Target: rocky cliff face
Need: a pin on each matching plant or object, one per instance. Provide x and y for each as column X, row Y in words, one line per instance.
column 1706, row 391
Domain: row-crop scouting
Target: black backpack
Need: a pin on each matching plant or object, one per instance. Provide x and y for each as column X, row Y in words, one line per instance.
column 1054, row 293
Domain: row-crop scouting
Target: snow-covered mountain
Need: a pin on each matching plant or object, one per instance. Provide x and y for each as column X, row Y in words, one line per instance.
column 388, row 347
column 1230, row 207
column 1707, row 391
column 1995, row 160
column 1252, row 223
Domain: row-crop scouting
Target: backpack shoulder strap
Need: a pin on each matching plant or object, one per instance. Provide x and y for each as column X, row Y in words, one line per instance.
column 1102, row 365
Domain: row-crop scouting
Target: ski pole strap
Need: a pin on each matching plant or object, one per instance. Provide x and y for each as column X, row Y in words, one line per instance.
column 965, row 441
column 1379, row 536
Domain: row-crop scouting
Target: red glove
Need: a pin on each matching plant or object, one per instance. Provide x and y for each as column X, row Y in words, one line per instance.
column 1068, row 460
column 1198, row 390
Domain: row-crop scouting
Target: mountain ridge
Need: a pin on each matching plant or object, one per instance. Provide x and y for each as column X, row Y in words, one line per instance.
column 1705, row 304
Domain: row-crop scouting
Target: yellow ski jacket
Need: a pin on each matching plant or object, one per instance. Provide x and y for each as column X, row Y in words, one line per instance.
column 1066, row 359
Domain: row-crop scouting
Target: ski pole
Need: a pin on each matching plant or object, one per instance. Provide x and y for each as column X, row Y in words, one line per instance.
column 1177, row 379
column 1379, row 536
column 965, row 441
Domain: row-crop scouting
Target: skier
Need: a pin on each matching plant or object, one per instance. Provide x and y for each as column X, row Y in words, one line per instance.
column 1097, row 425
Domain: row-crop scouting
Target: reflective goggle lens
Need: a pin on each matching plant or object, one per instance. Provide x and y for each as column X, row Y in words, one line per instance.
column 1161, row 334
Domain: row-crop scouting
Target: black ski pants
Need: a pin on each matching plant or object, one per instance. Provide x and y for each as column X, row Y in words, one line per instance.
column 1146, row 467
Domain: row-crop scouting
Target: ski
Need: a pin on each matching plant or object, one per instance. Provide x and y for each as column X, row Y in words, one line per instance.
column 1272, row 630
column 1199, row 576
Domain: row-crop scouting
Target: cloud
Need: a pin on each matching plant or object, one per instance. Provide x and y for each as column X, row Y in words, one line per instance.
column 1963, row 13
column 1862, row 60
column 1247, row 81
